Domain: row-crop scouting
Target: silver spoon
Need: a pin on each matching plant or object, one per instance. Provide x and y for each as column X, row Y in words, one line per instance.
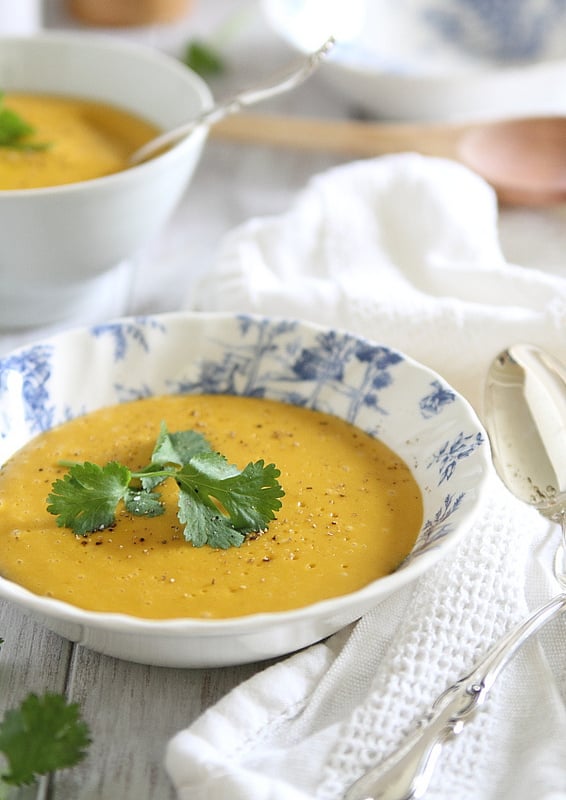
column 525, row 416
column 277, row 84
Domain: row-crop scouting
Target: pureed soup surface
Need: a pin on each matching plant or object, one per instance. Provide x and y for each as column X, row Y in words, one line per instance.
column 351, row 513
column 85, row 140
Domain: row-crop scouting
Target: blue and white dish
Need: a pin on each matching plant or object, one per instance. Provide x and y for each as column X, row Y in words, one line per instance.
column 378, row 389
column 431, row 59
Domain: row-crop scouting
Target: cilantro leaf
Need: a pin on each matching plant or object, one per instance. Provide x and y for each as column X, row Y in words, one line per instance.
column 248, row 497
column 252, row 496
column 171, row 448
column 44, row 734
column 203, row 59
column 12, row 127
column 85, row 499
column 143, row 503
column 242, row 501
column 178, row 448
column 14, row 130
column 205, row 524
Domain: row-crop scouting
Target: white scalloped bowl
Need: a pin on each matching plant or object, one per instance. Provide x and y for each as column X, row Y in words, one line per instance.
column 379, row 390
column 435, row 59
column 62, row 243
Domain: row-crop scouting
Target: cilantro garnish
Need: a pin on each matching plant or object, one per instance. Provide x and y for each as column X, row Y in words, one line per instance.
column 205, row 56
column 203, row 59
column 44, row 734
column 218, row 503
column 14, row 131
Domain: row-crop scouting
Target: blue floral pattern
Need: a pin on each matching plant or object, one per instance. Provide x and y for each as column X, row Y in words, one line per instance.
column 372, row 386
column 436, row 528
column 126, row 333
column 497, row 29
column 451, row 453
column 28, row 372
column 433, row 403
column 440, row 35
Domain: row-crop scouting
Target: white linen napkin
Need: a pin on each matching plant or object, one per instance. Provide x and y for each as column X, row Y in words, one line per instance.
column 404, row 250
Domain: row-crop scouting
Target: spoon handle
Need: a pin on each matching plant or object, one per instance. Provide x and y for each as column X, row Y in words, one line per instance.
column 406, row 774
column 346, row 137
column 281, row 82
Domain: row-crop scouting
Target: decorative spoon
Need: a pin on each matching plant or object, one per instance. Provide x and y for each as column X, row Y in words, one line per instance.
column 525, row 417
column 281, row 82
column 523, row 159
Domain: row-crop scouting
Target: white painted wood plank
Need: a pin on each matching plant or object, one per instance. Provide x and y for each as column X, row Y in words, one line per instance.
column 132, row 711
column 32, row 659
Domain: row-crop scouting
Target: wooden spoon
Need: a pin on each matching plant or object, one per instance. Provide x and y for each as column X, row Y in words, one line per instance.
column 523, row 159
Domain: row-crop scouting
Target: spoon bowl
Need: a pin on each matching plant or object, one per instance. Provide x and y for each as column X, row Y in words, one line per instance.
column 524, row 160
column 525, row 409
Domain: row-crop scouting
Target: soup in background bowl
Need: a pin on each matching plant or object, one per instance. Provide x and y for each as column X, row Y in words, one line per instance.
column 67, row 140
column 60, row 242
column 371, row 389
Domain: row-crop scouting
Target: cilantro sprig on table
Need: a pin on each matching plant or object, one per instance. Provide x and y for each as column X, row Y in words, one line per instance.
column 43, row 734
column 15, row 131
column 218, row 504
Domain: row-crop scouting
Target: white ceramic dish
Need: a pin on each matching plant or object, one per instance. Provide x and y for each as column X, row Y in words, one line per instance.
column 58, row 242
column 436, row 59
column 381, row 391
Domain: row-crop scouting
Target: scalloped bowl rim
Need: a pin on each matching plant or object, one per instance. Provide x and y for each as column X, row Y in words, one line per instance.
column 343, row 605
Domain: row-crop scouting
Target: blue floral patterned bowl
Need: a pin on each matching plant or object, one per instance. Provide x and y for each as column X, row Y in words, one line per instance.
column 434, row 59
column 377, row 389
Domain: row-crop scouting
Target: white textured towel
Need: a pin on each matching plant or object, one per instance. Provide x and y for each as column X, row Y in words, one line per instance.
column 404, row 250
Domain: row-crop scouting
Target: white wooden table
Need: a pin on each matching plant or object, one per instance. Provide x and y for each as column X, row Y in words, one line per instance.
column 133, row 710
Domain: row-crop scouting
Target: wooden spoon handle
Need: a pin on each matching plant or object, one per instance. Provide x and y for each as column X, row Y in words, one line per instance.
column 340, row 136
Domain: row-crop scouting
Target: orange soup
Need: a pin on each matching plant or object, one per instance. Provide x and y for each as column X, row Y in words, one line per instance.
column 350, row 514
column 84, row 140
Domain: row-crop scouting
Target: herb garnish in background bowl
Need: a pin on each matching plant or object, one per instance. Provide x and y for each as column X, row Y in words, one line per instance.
column 15, row 132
